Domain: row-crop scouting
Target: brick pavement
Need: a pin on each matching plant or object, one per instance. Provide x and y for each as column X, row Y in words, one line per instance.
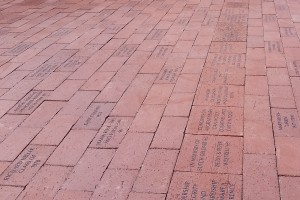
column 150, row 99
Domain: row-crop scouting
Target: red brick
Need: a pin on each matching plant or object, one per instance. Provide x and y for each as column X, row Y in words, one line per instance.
column 8, row 123
column 94, row 116
column 52, row 49
column 281, row 97
column 43, row 114
column 223, row 76
column 285, row 122
column 218, row 60
column 115, row 184
column 3, row 166
column 11, row 147
column 187, row 83
column 71, row 148
column 199, row 185
column 136, row 39
column 114, row 44
column 90, row 168
column 278, row 76
column 112, row 132
column 295, row 85
column 156, row 172
column 179, row 104
column 259, row 183
column 255, row 31
column 146, row 196
column 220, row 95
column 78, row 103
column 216, row 120
column 287, row 155
column 153, row 66
column 147, row 119
column 148, row 45
column 92, row 65
column 46, row 183
column 26, row 165
column 20, row 90
column 257, row 108
column 170, row 133
column 258, row 137
column 98, row 81
column 228, row 47
column 30, row 102
column 84, row 39
column 289, row 187
column 132, row 151
column 113, row 64
column 52, row 81
column 54, row 132
column 198, row 52
column 10, row 192
column 73, row 194
column 159, row 94
column 255, row 41
column 169, row 40
column 134, row 96
column 66, row 90
column 12, row 79
column 255, row 61
column 183, row 46
column 102, row 38
column 274, row 54
column 193, row 66
column 256, row 85
column 211, row 154
column 73, row 63
column 118, row 84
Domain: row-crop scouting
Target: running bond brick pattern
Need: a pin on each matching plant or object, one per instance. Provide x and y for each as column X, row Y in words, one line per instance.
column 149, row 99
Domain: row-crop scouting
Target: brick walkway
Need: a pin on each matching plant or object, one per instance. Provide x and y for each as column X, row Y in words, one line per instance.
column 149, row 100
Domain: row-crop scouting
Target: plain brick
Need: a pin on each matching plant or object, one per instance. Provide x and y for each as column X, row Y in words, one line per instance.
column 260, row 183
column 115, row 184
column 147, row 119
column 46, row 183
column 134, row 96
column 90, row 168
column 156, row 172
column 169, row 134
column 132, row 151
column 71, row 148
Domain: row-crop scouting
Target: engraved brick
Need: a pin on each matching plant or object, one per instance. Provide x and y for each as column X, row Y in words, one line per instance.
column 20, row 172
column 212, row 154
column 112, row 132
column 202, row 185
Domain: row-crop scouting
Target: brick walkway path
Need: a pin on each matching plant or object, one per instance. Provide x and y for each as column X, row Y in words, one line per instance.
column 149, row 100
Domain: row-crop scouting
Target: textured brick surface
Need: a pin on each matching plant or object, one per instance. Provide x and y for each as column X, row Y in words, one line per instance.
column 150, row 99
